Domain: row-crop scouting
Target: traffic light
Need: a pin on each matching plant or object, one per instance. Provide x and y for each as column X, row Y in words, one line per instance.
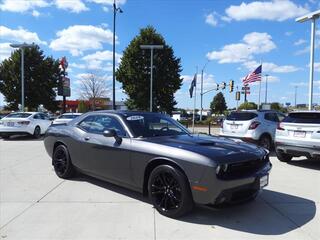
column 231, row 85
column 237, row 95
column 223, row 85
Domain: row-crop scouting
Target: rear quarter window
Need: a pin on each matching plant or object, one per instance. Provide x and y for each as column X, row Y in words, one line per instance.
column 241, row 116
column 313, row 118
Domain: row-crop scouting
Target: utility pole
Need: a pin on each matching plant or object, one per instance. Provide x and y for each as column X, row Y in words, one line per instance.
column 312, row 17
column 151, row 47
column 115, row 10
column 201, row 90
column 22, row 46
column 295, row 96
column 266, row 95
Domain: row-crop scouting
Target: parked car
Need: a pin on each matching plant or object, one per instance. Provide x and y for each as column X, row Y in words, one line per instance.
column 21, row 123
column 257, row 126
column 65, row 118
column 298, row 135
column 155, row 155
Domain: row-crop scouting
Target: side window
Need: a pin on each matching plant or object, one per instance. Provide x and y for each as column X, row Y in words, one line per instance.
column 99, row 123
column 281, row 116
column 37, row 116
column 271, row 117
column 43, row 116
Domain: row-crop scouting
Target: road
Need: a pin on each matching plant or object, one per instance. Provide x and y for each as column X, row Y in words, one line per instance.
column 35, row 204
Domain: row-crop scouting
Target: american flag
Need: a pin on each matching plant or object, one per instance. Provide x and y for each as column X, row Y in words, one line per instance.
column 255, row 76
column 193, row 85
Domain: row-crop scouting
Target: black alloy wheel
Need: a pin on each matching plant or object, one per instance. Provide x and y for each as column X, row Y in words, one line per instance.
column 62, row 163
column 37, row 132
column 169, row 191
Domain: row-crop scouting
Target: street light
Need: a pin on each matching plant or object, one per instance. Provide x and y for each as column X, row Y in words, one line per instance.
column 266, row 95
column 311, row 16
column 115, row 10
column 201, row 91
column 22, row 46
column 151, row 47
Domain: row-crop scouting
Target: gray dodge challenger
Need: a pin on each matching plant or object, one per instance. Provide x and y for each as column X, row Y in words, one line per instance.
column 157, row 156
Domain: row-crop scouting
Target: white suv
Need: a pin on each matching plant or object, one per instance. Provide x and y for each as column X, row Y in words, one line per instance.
column 257, row 126
column 299, row 135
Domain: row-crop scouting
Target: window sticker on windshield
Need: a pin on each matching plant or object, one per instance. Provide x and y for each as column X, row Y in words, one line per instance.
column 134, row 118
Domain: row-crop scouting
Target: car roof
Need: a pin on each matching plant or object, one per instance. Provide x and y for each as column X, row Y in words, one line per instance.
column 71, row 114
column 125, row 112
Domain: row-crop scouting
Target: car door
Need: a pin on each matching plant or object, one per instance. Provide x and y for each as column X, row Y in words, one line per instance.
column 103, row 156
column 272, row 121
column 45, row 122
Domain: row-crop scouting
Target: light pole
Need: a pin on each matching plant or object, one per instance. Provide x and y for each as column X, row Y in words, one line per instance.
column 201, row 90
column 22, row 46
column 115, row 10
column 151, row 47
column 295, row 96
column 266, row 96
column 311, row 16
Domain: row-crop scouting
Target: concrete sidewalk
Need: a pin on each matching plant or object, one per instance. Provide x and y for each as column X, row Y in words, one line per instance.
column 35, row 204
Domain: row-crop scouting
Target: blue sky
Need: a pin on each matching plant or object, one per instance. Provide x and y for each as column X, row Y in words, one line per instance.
column 234, row 35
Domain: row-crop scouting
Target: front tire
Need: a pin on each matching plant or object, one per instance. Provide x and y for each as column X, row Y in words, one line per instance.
column 37, row 132
column 61, row 162
column 283, row 157
column 169, row 191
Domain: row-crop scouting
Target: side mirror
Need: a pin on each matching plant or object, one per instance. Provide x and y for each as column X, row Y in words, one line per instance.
column 112, row 133
column 109, row 133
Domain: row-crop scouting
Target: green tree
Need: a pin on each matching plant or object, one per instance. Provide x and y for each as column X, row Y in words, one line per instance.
column 248, row 106
column 278, row 107
column 41, row 76
column 134, row 73
column 218, row 104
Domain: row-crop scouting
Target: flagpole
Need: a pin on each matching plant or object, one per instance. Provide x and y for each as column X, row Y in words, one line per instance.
column 195, row 97
column 260, row 87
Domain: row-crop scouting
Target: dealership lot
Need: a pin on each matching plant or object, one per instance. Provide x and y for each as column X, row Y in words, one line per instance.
column 35, row 204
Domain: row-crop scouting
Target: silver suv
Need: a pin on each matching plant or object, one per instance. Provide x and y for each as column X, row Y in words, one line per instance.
column 298, row 135
column 258, row 126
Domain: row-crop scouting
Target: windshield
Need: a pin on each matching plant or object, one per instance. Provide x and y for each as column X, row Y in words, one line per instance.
column 307, row 117
column 18, row 115
column 241, row 116
column 69, row 116
column 154, row 125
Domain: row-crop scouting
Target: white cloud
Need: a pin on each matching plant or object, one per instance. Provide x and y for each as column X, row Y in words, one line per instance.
column 108, row 2
column 211, row 19
column 270, row 67
column 5, row 51
column 22, row 6
column 79, row 38
column 35, row 13
column 275, row 10
column 252, row 43
column 299, row 42
column 208, row 81
column 105, row 9
column 75, row 6
column 98, row 60
column 316, row 66
column 288, row 34
column 20, row 35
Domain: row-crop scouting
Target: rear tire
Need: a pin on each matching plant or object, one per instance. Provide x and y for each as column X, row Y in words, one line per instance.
column 5, row 137
column 37, row 132
column 283, row 157
column 265, row 141
column 169, row 191
column 61, row 162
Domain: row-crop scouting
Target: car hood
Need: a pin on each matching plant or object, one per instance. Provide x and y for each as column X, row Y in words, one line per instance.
column 218, row 148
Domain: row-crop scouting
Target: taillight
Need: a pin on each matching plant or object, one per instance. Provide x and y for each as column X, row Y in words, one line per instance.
column 24, row 122
column 279, row 126
column 254, row 125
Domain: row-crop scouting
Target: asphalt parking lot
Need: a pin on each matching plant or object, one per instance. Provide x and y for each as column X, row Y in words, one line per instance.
column 35, row 204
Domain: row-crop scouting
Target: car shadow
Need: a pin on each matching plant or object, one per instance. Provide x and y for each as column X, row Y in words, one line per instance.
column 267, row 215
column 306, row 163
column 22, row 138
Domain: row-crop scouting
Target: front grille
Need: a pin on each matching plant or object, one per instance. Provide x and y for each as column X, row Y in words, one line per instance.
column 242, row 169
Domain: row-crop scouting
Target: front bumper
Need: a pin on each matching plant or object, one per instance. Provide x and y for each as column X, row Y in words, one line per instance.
column 229, row 191
column 298, row 150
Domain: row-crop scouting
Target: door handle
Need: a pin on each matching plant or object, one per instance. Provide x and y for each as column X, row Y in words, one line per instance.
column 87, row 138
